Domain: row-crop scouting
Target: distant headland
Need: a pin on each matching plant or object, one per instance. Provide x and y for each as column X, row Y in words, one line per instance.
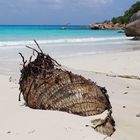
column 117, row 23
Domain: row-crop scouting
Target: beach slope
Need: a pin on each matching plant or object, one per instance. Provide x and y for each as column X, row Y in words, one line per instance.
column 20, row 122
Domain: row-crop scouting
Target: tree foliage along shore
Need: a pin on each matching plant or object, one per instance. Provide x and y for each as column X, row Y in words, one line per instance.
column 127, row 14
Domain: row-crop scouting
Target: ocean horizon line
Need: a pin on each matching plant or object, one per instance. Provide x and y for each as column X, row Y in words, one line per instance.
column 44, row 25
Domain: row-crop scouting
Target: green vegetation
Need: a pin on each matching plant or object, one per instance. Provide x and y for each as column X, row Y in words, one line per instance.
column 127, row 14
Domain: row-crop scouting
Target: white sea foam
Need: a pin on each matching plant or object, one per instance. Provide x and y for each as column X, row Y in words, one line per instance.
column 19, row 44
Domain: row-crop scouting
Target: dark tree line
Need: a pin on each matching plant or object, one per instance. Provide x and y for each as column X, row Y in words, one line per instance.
column 127, row 14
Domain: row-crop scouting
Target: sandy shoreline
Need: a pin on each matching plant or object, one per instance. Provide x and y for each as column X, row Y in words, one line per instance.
column 20, row 122
column 124, row 63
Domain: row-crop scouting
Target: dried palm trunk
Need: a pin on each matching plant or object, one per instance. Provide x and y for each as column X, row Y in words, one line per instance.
column 46, row 85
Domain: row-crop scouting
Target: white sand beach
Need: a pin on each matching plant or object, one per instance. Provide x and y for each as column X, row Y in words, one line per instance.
column 18, row 122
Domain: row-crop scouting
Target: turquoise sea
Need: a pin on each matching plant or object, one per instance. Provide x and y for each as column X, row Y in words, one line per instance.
column 59, row 41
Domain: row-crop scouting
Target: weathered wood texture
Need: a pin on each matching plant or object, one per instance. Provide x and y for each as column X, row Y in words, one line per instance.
column 46, row 85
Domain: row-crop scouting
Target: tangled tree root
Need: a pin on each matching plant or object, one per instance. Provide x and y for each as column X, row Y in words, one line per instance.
column 44, row 84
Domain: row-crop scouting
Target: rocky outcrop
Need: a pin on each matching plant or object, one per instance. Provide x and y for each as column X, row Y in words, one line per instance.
column 135, row 16
column 106, row 26
column 133, row 28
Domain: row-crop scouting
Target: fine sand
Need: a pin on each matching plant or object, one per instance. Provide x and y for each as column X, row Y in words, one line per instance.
column 18, row 122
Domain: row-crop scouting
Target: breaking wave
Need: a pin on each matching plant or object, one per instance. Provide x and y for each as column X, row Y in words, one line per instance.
column 22, row 43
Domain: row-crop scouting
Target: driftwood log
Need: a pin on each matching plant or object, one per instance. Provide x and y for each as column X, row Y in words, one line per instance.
column 44, row 84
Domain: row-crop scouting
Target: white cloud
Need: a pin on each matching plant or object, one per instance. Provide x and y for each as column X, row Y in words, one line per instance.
column 94, row 3
column 85, row 3
column 55, row 3
column 49, row 3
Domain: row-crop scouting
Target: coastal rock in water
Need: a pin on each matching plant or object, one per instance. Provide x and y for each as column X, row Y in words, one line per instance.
column 106, row 26
column 46, row 85
column 95, row 26
column 133, row 28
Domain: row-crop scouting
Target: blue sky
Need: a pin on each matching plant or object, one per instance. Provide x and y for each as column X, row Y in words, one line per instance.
column 60, row 11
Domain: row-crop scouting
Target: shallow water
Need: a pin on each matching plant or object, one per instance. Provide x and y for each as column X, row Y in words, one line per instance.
column 59, row 43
